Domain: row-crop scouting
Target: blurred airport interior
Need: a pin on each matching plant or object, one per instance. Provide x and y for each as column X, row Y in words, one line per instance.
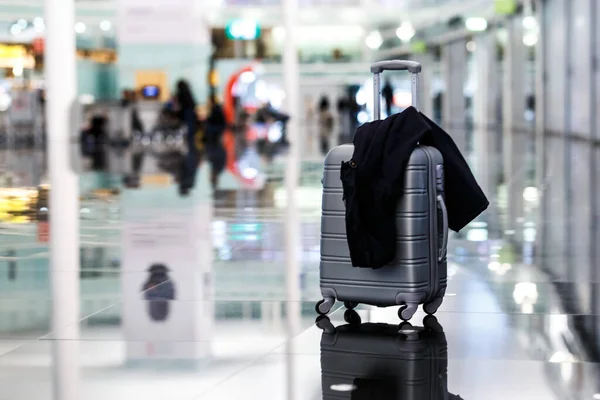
column 161, row 166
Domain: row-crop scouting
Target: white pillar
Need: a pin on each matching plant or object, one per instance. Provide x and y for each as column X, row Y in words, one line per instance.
column 292, row 89
column 485, row 102
column 486, row 154
column 61, row 91
column 426, row 79
column 292, row 220
column 580, row 180
column 514, row 135
column 454, row 69
column 551, row 128
column 540, row 123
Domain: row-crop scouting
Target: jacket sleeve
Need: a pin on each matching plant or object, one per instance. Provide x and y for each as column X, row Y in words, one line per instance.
column 464, row 198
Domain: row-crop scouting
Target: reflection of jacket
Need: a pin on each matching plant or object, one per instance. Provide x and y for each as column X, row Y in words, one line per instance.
column 158, row 291
column 93, row 141
column 374, row 179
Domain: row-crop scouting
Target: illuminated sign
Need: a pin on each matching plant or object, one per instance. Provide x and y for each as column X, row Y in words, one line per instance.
column 241, row 29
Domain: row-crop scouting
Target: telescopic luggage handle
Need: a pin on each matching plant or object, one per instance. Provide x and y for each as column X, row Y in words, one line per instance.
column 394, row 65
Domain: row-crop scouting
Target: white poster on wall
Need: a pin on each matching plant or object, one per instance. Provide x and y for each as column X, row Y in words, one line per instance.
column 167, row 283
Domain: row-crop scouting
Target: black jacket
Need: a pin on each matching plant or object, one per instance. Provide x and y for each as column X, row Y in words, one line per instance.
column 373, row 181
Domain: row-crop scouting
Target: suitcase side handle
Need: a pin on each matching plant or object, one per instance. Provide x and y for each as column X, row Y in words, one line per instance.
column 396, row 65
column 444, row 247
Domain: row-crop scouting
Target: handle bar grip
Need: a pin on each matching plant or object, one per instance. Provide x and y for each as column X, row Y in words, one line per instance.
column 396, row 65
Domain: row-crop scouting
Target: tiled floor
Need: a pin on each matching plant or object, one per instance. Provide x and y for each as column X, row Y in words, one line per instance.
column 511, row 327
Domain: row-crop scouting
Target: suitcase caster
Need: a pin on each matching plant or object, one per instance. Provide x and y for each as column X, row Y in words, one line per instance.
column 324, row 324
column 324, row 306
column 352, row 317
column 405, row 326
column 431, row 322
column 432, row 307
column 350, row 305
column 407, row 311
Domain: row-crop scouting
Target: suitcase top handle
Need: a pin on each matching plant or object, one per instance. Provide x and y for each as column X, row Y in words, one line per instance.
column 396, row 65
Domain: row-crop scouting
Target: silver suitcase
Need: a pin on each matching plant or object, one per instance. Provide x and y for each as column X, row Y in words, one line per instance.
column 419, row 273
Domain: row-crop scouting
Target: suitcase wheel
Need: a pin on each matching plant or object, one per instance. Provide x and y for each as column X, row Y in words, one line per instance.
column 405, row 326
column 431, row 307
column 431, row 322
column 324, row 306
column 350, row 305
column 407, row 311
column 352, row 317
column 324, row 324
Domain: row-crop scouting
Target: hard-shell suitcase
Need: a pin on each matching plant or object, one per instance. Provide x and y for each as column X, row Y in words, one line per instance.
column 380, row 361
column 419, row 274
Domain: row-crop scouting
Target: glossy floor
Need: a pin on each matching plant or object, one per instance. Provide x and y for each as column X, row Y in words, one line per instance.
column 516, row 323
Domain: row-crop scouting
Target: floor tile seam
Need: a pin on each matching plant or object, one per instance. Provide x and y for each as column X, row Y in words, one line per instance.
column 79, row 321
column 257, row 360
column 30, row 342
column 464, row 359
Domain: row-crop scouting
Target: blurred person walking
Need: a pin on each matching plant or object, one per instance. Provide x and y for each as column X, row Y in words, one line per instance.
column 388, row 96
column 185, row 108
column 135, row 127
column 213, row 135
column 325, row 121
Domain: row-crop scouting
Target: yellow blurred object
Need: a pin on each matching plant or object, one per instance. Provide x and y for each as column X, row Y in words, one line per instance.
column 17, row 205
column 20, row 219
column 213, row 78
column 12, row 51
column 156, row 180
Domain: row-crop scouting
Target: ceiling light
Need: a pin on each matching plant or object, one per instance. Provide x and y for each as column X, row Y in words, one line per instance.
column 476, row 24
column 405, row 32
column 17, row 70
column 15, row 30
column 278, row 33
column 38, row 24
column 374, row 40
column 529, row 22
column 22, row 23
column 530, row 39
column 352, row 14
column 79, row 27
column 105, row 25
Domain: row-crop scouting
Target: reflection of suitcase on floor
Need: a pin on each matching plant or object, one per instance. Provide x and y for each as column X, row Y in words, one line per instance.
column 418, row 276
column 380, row 362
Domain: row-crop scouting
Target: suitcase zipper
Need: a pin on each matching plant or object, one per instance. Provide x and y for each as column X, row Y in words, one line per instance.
column 433, row 228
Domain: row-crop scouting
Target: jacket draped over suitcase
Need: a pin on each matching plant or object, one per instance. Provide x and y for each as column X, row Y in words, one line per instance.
column 373, row 183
